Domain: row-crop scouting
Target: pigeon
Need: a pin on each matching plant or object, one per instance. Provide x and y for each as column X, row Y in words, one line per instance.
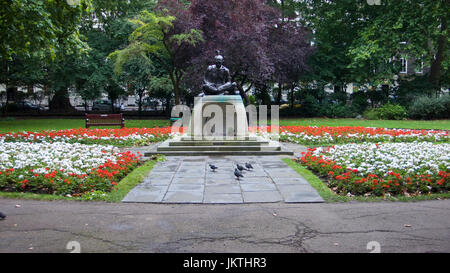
column 248, row 166
column 213, row 168
column 237, row 173
column 2, row 216
column 240, row 167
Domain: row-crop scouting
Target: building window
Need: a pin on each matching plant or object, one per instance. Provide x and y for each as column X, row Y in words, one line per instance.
column 419, row 66
column 404, row 63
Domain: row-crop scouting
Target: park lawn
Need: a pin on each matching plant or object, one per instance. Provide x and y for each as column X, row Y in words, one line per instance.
column 34, row 125
column 403, row 124
column 15, row 125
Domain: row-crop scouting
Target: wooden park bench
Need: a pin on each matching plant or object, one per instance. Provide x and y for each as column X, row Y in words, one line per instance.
column 105, row 120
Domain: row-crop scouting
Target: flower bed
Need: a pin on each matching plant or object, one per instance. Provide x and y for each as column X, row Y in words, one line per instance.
column 307, row 135
column 62, row 168
column 383, row 169
column 310, row 135
column 117, row 137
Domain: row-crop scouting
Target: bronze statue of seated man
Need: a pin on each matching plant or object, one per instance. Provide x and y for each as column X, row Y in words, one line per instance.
column 217, row 79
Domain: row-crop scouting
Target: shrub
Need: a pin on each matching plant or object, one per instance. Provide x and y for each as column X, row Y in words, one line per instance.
column 425, row 107
column 359, row 101
column 392, row 111
column 339, row 111
column 410, row 88
column 387, row 111
column 371, row 114
column 310, row 107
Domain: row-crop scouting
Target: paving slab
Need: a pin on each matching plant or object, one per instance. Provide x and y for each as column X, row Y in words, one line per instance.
column 258, row 187
column 290, row 181
column 222, row 189
column 223, row 198
column 183, row 197
column 221, row 181
column 262, row 197
column 186, row 187
column 160, row 182
column 190, row 180
column 160, row 175
column 259, row 179
column 154, row 194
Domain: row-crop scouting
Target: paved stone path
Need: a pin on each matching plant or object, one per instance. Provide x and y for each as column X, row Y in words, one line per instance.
column 190, row 180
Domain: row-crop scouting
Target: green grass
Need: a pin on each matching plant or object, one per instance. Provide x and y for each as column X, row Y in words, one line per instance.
column 407, row 124
column 123, row 187
column 130, row 181
column 329, row 196
column 35, row 196
column 14, row 125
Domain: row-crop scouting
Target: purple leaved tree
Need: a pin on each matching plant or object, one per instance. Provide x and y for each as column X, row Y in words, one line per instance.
column 258, row 46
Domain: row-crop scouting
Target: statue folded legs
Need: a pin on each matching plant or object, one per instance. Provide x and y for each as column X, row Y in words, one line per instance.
column 217, row 79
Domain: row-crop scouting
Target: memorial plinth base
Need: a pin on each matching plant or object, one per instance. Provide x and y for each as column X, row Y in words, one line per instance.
column 229, row 135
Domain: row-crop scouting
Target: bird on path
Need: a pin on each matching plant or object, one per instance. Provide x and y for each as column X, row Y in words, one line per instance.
column 248, row 166
column 240, row 167
column 213, row 168
column 2, row 216
column 237, row 173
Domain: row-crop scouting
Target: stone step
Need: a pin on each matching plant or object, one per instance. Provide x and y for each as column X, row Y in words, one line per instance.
column 246, row 138
column 218, row 148
column 215, row 143
column 217, row 153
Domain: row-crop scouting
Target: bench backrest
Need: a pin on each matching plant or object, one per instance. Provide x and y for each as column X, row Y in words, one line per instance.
column 110, row 119
column 104, row 116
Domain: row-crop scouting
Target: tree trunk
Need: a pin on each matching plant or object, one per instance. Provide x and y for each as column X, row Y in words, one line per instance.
column 436, row 63
column 341, row 93
column 61, row 101
column 176, row 87
column 280, row 89
column 140, row 95
column 292, row 96
column 243, row 94
column 176, row 91
column 11, row 92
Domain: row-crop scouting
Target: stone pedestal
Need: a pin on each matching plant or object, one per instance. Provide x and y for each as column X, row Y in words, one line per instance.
column 221, row 117
column 219, row 126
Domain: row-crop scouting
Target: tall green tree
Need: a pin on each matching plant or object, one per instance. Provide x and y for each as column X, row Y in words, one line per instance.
column 106, row 29
column 156, row 37
column 35, row 33
column 136, row 74
column 363, row 43
column 417, row 28
column 334, row 25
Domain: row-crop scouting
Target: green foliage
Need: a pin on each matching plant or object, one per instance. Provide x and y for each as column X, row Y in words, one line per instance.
column 339, row 111
column 392, row 111
column 40, row 27
column 409, row 89
column 387, row 112
column 362, row 43
column 371, row 114
column 156, row 38
column 310, row 107
column 94, row 195
column 252, row 99
column 359, row 101
column 421, row 24
column 425, row 107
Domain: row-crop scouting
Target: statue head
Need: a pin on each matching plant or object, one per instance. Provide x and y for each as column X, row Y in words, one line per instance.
column 218, row 59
